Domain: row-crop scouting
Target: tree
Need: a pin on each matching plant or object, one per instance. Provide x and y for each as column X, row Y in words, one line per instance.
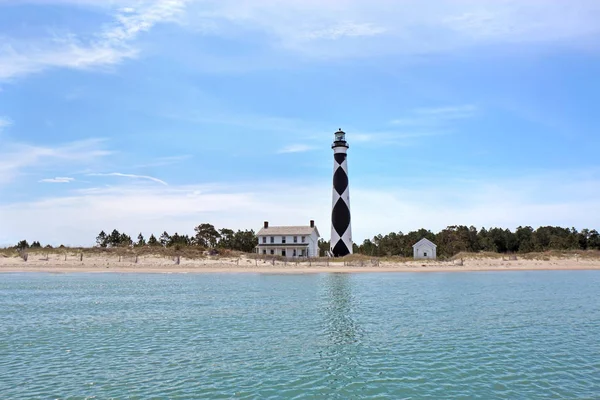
column 164, row 239
column 102, row 240
column 141, row 241
column 114, row 240
column 125, row 240
column 206, row 235
column 525, row 239
column 244, row 241
column 227, row 238
column 178, row 240
column 594, row 240
column 36, row 245
column 152, row 241
column 324, row 247
column 22, row 245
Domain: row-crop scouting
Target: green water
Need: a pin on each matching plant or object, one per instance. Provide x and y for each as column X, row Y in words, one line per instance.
column 512, row 335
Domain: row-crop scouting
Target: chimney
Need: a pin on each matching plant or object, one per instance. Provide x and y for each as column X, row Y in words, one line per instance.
column 312, row 223
column 266, row 224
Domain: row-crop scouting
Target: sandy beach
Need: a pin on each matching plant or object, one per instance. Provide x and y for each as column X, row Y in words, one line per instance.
column 72, row 263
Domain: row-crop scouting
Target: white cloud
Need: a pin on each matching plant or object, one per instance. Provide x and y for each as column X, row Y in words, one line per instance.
column 436, row 116
column 76, row 219
column 309, row 28
column 296, row 148
column 15, row 158
column 4, row 123
column 58, row 180
column 407, row 27
column 111, row 45
column 347, row 29
column 448, row 112
column 144, row 177
column 164, row 161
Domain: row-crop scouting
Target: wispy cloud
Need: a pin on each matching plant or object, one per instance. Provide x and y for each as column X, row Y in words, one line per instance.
column 57, row 180
column 308, row 28
column 4, row 122
column 111, row 45
column 313, row 27
column 16, row 158
column 164, row 161
column 429, row 116
column 347, row 29
column 296, row 148
column 133, row 176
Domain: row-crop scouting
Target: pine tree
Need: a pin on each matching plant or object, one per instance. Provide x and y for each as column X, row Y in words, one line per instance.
column 102, row 240
column 152, row 241
column 165, row 239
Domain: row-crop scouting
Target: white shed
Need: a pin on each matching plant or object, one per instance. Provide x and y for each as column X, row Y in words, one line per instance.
column 425, row 249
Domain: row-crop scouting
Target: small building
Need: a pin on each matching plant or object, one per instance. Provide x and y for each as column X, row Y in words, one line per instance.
column 425, row 249
column 288, row 241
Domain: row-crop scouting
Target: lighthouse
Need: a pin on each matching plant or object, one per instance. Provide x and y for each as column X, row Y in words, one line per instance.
column 341, row 227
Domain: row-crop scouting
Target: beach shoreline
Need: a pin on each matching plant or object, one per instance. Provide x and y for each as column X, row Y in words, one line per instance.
column 290, row 268
column 79, row 262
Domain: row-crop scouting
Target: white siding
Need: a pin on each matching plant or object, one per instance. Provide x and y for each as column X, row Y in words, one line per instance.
column 312, row 249
column 425, row 251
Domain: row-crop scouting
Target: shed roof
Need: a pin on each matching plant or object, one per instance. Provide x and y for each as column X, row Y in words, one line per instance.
column 424, row 241
column 288, row 231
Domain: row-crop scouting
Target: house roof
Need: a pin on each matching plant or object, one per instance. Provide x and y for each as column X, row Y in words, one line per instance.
column 287, row 231
column 424, row 241
column 290, row 245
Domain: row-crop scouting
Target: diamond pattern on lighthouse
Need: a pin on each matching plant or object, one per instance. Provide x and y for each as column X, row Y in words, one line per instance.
column 341, row 227
column 340, row 217
column 340, row 181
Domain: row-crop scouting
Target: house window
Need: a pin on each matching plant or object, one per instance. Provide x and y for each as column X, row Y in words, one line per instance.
column 295, row 239
column 272, row 239
column 283, row 239
column 294, row 252
column 265, row 239
column 265, row 252
column 303, row 239
column 283, row 253
column 425, row 254
column 272, row 252
column 301, row 253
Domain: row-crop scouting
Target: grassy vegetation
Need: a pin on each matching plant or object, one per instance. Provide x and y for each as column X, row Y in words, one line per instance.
column 198, row 253
column 544, row 256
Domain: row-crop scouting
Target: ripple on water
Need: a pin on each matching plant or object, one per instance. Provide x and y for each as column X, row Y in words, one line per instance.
column 504, row 335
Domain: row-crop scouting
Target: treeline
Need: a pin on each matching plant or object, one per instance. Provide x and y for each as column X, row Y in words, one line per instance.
column 456, row 239
column 206, row 236
column 450, row 241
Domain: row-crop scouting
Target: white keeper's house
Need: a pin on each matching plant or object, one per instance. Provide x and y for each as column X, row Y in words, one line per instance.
column 425, row 249
column 288, row 241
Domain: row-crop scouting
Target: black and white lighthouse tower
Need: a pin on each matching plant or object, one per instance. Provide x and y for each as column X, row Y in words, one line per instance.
column 341, row 227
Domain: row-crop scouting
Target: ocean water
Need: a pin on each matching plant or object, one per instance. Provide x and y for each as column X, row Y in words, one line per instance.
column 505, row 335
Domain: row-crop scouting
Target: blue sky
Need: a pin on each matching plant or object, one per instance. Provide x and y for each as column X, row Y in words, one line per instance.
column 150, row 115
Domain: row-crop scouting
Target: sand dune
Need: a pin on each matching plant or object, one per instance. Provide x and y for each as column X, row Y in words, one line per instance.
column 58, row 263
